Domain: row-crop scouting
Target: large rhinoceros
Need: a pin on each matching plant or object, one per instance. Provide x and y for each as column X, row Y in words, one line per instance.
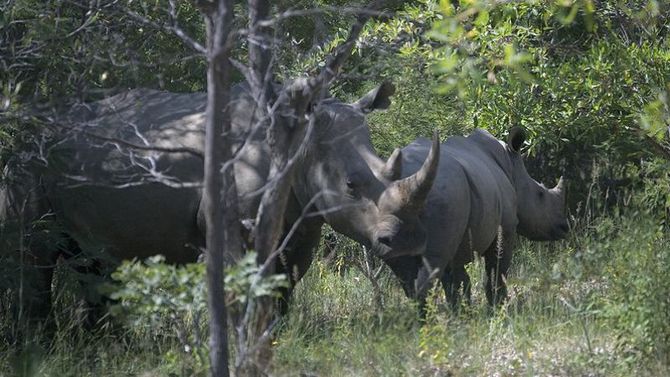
column 482, row 197
column 128, row 181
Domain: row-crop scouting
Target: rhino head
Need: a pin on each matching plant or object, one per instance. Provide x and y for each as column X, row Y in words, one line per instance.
column 540, row 211
column 357, row 193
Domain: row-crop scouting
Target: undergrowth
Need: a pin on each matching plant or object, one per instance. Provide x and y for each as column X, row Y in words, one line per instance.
column 594, row 304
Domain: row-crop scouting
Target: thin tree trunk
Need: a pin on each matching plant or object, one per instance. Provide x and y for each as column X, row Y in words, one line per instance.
column 260, row 51
column 269, row 220
column 223, row 232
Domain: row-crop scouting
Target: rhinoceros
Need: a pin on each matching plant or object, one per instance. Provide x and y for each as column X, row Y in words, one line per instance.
column 128, row 181
column 481, row 199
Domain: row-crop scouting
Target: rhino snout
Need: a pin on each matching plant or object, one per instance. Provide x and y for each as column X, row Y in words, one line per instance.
column 385, row 240
column 383, row 244
column 389, row 246
column 382, row 251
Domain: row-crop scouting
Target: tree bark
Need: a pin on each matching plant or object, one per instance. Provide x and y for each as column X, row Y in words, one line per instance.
column 260, row 43
column 223, row 227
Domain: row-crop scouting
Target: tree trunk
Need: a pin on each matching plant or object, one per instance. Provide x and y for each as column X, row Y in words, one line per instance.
column 223, row 229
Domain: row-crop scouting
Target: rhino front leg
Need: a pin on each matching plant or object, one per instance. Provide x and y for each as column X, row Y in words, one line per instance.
column 38, row 304
column 405, row 268
column 296, row 259
column 92, row 271
column 33, row 294
column 455, row 279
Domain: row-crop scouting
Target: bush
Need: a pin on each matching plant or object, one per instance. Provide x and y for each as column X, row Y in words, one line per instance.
column 637, row 300
column 163, row 301
column 619, row 270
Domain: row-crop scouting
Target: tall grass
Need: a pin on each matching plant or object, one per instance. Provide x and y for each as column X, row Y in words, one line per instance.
column 594, row 304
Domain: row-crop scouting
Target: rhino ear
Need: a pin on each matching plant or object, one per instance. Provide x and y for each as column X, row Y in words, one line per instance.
column 393, row 166
column 515, row 139
column 377, row 98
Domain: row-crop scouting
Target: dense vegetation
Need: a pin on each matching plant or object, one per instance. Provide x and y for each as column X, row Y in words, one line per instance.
column 587, row 79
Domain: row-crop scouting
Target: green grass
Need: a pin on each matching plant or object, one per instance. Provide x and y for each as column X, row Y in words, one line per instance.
column 326, row 335
column 593, row 305
column 559, row 319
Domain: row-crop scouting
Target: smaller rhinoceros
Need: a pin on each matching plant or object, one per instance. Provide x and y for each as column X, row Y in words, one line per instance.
column 481, row 199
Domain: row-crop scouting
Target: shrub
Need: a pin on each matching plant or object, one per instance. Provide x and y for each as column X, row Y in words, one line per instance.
column 623, row 267
column 637, row 303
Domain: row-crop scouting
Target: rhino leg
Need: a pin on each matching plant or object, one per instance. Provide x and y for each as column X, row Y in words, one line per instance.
column 30, row 233
column 455, row 279
column 89, row 270
column 296, row 259
column 406, row 269
column 497, row 260
column 34, row 299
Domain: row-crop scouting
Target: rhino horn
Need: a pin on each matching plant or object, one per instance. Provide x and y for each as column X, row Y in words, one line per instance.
column 393, row 167
column 560, row 184
column 559, row 189
column 413, row 190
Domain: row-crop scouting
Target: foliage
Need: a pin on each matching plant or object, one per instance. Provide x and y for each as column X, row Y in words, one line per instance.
column 153, row 293
column 587, row 79
column 159, row 299
column 628, row 253
column 583, row 109
column 245, row 281
column 564, row 72
column 57, row 50
column 434, row 339
column 588, row 91
column 637, row 305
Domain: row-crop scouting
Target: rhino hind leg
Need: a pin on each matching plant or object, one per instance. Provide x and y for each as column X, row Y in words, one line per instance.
column 497, row 260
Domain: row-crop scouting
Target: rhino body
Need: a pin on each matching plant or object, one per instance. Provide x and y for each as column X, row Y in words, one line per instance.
column 481, row 199
column 129, row 181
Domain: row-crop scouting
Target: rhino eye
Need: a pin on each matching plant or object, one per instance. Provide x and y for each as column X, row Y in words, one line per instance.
column 540, row 194
column 351, row 185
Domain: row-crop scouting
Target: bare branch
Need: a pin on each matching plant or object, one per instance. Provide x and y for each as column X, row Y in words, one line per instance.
column 342, row 52
column 174, row 29
column 131, row 145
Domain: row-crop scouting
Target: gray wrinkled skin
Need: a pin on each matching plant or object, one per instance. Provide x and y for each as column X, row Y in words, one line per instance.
column 102, row 194
column 481, row 199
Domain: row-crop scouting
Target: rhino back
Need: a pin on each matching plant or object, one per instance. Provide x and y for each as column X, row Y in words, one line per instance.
column 471, row 198
column 492, row 194
column 109, row 195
